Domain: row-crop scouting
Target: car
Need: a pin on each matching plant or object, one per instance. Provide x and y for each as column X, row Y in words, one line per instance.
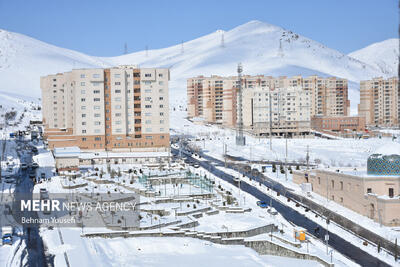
column 272, row 211
column 35, row 165
column 43, row 175
column 196, row 166
column 24, row 166
column 8, row 179
column 236, row 179
column 32, row 174
column 262, row 204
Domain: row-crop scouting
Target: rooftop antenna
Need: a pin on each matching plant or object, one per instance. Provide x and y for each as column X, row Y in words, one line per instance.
column 125, row 49
column 222, row 40
column 240, row 139
column 182, row 50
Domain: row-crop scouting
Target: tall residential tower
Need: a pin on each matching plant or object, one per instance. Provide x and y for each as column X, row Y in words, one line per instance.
column 121, row 109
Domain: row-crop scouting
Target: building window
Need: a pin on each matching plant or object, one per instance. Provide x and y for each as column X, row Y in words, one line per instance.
column 117, row 99
column 117, row 83
column 341, row 200
column 96, row 91
column 341, row 185
column 82, row 83
column 96, row 75
column 84, row 139
column 97, row 115
column 83, row 131
column 97, row 130
column 83, row 107
column 118, row 107
column 333, row 184
column 83, row 122
column 117, row 75
column 148, row 122
column 391, row 192
column 83, row 115
column 83, row 92
column 160, row 75
column 117, row 114
column 97, row 123
column 117, row 91
column 96, row 99
column 369, row 190
column 83, row 99
column 319, row 180
column 147, row 75
column 82, row 76
column 96, row 107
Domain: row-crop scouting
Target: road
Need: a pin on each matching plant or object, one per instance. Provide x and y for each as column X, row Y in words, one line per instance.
column 23, row 190
column 338, row 243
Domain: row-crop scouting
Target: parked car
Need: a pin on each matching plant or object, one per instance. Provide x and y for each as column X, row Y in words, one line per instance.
column 272, row 211
column 262, row 204
column 35, row 165
column 32, row 174
column 8, row 179
column 196, row 166
column 6, row 235
column 24, row 166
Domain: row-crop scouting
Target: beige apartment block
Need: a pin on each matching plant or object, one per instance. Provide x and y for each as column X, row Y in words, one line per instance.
column 123, row 109
column 214, row 99
column 374, row 196
column 380, row 102
column 278, row 111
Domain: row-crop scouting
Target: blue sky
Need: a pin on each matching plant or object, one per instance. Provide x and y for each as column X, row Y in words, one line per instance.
column 102, row 27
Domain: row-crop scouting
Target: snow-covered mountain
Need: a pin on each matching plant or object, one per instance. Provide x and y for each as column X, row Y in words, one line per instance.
column 383, row 55
column 262, row 48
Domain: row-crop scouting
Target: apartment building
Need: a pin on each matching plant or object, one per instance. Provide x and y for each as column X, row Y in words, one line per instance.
column 278, row 111
column 380, row 102
column 214, row 100
column 121, row 109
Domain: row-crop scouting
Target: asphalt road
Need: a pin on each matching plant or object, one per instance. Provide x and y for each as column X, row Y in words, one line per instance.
column 35, row 248
column 338, row 243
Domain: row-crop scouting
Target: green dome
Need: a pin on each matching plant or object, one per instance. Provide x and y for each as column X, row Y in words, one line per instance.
column 379, row 164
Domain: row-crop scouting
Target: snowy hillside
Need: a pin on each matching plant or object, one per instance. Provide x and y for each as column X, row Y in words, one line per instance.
column 261, row 47
column 383, row 55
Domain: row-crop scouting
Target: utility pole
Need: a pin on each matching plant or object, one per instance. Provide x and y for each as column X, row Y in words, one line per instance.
column 240, row 139
column 286, row 159
column 307, row 157
column 270, row 121
column 222, row 40
column 147, row 50
column 182, row 50
column 125, row 49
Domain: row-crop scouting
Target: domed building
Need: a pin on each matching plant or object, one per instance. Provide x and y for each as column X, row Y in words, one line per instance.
column 373, row 191
column 385, row 161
